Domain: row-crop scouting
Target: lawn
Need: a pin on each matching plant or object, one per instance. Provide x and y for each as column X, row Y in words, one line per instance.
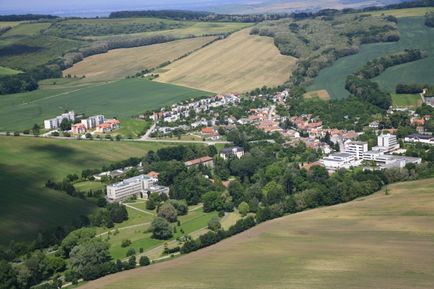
column 380, row 241
column 88, row 185
column 133, row 127
column 122, row 99
column 27, row 163
column 239, row 63
column 120, row 63
column 26, row 29
column 141, row 238
column 406, row 100
column 414, row 34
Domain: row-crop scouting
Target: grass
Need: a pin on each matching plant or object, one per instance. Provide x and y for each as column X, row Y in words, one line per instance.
column 409, row 12
column 119, row 63
column 141, row 238
column 240, row 63
column 27, row 163
column 380, row 241
column 88, row 185
column 321, row 94
column 123, row 98
column 133, row 127
column 414, row 34
column 27, row 29
column 406, row 100
column 8, row 71
column 9, row 23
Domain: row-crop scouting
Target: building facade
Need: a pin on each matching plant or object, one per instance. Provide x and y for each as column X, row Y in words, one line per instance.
column 93, row 121
column 55, row 122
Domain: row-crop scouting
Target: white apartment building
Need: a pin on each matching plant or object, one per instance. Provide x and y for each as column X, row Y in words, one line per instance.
column 93, row 121
column 337, row 161
column 386, row 143
column 55, row 122
column 356, row 148
column 138, row 186
column 232, row 151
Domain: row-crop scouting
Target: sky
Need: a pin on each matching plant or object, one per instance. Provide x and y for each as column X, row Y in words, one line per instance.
column 71, row 7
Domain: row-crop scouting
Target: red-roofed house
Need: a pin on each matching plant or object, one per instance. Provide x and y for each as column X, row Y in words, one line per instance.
column 206, row 161
column 78, row 128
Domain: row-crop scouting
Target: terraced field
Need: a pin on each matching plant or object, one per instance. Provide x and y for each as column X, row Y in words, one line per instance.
column 120, row 63
column 27, row 163
column 414, row 34
column 380, row 241
column 239, row 63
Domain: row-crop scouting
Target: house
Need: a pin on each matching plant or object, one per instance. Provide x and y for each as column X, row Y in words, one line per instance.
column 206, row 161
column 108, row 126
column 231, row 151
column 78, row 128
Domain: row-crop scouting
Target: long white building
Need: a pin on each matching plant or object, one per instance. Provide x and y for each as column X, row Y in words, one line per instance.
column 336, row 161
column 54, row 123
column 138, row 186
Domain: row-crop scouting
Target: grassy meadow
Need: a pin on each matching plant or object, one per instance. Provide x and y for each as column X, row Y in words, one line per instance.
column 26, row 163
column 119, row 63
column 239, row 63
column 409, row 12
column 406, row 100
column 414, row 34
column 8, row 71
column 122, row 99
column 380, row 241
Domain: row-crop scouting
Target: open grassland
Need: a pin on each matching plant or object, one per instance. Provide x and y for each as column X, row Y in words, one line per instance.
column 27, row 29
column 414, row 34
column 122, row 99
column 119, row 63
column 239, row 63
column 409, row 12
column 406, row 100
column 27, row 163
column 8, row 71
column 381, row 241
column 9, row 23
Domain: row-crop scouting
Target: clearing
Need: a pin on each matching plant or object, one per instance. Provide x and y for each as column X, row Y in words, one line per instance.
column 241, row 62
column 321, row 94
column 406, row 100
column 122, row 98
column 380, row 241
column 119, row 63
column 414, row 35
column 26, row 163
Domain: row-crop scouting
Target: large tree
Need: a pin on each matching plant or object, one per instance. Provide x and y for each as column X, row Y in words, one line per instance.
column 168, row 212
column 161, row 229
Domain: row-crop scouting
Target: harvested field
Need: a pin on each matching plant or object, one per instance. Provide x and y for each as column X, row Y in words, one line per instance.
column 321, row 94
column 119, row 63
column 241, row 62
column 381, row 241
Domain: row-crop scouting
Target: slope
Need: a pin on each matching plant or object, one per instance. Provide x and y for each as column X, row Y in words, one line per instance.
column 240, row 63
column 381, row 241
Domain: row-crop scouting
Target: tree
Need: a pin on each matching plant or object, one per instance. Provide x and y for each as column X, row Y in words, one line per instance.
column 150, row 204
column 144, row 261
column 181, row 206
column 132, row 262
column 168, row 212
column 214, row 224
column 65, row 124
column 131, row 252
column 7, row 276
column 91, row 259
column 161, row 229
column 36, row 129
column 75, row 238
column 212, row 201
column 243, row 208
column 125, row 243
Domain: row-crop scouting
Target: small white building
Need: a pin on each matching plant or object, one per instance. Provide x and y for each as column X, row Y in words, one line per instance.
column 231, row 151
column 337, row 161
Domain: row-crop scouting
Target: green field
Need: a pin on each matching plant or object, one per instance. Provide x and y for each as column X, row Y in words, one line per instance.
column 122, row 99
column 25, row 29
column 409, row 12
column 414, row 34
column 380, row 241
column 406, row 100
column 8, row 71
column 133, row 127
column 26, row 163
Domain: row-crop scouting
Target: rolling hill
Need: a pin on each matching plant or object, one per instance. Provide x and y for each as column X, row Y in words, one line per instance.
column 239, row 63
column 380, row 241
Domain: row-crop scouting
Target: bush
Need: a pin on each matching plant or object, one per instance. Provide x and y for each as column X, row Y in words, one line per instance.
column 125, row 243
column 243, row 208
column 168, row 212
column 131, row 252
column 144, row 261
column 161, row 229
column 214, row 224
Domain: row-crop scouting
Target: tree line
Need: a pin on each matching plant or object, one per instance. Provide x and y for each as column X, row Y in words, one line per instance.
column 360, row 85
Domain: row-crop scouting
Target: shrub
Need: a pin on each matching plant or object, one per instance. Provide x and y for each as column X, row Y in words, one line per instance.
column 144, row 261
column 214, row 224
column 125, row 243
column 161, row 229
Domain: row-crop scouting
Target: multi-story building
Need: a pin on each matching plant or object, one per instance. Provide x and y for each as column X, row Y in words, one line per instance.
column 138, row 186
column 232, row 151
column 93, row 121
column 356, row 148
column 386, row 143
column 55, row 122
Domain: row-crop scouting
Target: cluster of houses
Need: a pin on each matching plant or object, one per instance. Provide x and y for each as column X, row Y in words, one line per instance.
column 98, row 123
column 356, row 153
